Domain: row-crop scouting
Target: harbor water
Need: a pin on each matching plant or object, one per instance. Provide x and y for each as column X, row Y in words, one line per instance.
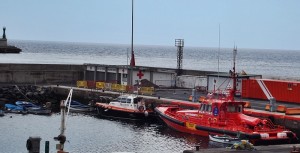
column 269, row 63
column 89, row 134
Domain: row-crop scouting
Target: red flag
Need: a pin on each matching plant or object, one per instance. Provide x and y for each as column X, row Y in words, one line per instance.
column 132, row 61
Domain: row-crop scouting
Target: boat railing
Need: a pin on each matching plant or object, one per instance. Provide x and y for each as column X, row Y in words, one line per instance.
column 270, row 124
column 238, row 127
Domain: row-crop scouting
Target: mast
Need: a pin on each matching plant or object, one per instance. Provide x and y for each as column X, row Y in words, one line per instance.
column 234, row 73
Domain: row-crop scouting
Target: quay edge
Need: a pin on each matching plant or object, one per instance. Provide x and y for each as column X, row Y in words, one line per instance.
column 258, row 149
column 290, row 122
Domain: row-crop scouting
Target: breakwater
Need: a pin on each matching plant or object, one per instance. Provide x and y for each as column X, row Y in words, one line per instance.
column 40, row 73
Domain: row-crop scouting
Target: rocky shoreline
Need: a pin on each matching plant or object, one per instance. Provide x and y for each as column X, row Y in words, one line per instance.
column 35, row 94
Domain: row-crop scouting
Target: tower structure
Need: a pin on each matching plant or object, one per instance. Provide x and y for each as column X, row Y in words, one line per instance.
column 4, row 35
column 179, row 43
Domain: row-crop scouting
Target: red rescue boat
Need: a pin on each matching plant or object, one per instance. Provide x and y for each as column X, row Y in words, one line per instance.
column 222, row 114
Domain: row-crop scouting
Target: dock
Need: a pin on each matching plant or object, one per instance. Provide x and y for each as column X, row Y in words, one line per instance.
column 180, row 98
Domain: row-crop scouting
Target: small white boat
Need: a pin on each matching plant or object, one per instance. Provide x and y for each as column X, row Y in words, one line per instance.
column 224, row 139
column 126, row 106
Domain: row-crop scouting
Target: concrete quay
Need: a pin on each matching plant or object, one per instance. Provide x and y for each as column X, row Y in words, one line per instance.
column 179, row 97
column 286, row 148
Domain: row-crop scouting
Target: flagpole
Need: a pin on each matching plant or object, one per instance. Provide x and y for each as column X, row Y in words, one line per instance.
column 132, row 54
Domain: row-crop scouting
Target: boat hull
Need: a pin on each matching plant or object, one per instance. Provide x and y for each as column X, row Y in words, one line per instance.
column 32, row 108
column 39, row 111
column 224, row 139
column 125, row 114
column 82, row 109
column 191, row 128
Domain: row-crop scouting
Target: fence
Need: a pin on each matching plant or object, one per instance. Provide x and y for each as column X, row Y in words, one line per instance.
column 115, row 87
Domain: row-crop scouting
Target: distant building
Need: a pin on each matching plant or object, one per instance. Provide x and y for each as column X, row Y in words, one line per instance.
column 221, row 81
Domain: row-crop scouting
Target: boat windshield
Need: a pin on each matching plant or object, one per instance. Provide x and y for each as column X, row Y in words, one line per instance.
column 128, row 100
column 205, row 108
column 122, row 99
column 234, row 108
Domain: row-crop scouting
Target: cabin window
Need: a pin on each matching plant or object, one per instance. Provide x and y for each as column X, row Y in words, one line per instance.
column 240, row 108
column 202, row 107
column 128, row 100
column 123, row 100
column 231, row 108
column 208, row 108
column 135, row 100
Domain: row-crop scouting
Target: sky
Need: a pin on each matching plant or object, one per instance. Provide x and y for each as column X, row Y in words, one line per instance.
column 262, row 24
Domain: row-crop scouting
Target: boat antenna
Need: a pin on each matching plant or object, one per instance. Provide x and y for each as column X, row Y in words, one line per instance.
column 219, row 56
column 233, row 75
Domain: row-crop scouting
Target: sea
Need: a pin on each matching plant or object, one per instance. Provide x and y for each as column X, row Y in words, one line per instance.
column 276, row 64
column 90, row 134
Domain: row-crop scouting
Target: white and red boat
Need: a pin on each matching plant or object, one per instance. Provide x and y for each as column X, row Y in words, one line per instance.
column 224, row 115
column 126, row 107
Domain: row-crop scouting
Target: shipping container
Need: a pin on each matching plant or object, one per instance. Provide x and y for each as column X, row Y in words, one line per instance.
column 281, row 90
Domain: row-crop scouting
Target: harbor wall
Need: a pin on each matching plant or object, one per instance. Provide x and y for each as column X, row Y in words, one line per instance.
column 40, row 73
column 64, row 74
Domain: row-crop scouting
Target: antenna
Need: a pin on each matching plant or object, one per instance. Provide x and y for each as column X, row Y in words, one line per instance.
column 234, row 74
column 219, row 56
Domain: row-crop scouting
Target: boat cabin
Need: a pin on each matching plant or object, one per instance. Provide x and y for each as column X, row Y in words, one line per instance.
column 220, row 111
column 128, row 101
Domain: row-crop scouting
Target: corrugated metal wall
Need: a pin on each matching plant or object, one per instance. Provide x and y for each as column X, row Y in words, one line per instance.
column 286, row 91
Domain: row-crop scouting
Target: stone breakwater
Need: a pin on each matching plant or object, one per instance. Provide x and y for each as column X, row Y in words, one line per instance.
column 35, row 94
column 41, row 95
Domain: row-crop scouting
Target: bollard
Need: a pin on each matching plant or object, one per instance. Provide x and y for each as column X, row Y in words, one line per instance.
column 33, row 144
column 47, row 147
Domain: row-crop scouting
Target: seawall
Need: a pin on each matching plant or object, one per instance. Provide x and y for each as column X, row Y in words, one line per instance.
column 40, row 73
